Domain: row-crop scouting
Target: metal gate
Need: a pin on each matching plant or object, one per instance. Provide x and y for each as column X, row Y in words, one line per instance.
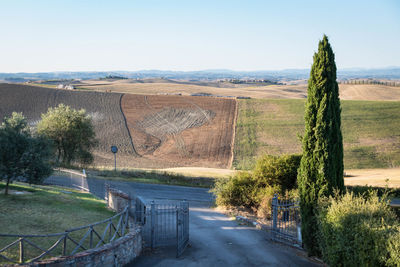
column 68, row 178
column 164, row 224
column 286, row 223
column 182, row 228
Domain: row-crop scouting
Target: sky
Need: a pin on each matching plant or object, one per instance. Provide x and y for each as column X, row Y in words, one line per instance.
column 97, row 35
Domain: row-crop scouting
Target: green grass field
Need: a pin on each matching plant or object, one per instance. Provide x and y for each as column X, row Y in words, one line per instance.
column 46, row 210
column 371, row 131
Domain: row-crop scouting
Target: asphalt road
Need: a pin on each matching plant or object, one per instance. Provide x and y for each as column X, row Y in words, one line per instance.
column 215, row 239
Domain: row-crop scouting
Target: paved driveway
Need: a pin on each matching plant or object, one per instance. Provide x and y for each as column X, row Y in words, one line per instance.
column 215, row 239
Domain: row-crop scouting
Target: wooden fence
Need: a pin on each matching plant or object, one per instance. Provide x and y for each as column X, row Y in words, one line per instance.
column 29, row 248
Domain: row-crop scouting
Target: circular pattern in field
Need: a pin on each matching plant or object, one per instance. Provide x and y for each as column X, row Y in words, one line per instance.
column 177, row 131
column 172, row 121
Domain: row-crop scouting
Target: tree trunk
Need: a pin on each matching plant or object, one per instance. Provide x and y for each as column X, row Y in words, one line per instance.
column 6, row 189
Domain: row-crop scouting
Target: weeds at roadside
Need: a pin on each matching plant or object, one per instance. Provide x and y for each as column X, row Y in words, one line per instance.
column 153, row 177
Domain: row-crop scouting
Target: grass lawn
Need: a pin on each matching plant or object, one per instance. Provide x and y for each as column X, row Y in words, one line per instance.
column 45, row 210
column 371, row 131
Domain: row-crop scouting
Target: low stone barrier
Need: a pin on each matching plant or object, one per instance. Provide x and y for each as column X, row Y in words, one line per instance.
column 116, row 199
column 116, row 253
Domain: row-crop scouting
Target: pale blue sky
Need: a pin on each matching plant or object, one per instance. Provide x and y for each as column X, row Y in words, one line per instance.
column 69, row 35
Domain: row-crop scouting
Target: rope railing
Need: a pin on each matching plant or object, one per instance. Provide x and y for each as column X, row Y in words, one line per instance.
column 116, row 227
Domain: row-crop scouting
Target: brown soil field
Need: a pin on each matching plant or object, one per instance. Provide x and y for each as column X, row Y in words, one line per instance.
column 172, row 131
column 296, row 91
column 103, row 107
column 271, row 91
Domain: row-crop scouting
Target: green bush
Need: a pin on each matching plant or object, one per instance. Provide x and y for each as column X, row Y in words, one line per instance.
column 238, row 190
column 278, row 171
column 358, row 231
column 359, row 190
column 255, row 190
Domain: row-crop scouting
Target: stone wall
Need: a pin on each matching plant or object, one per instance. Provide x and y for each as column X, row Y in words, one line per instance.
column 116, row 199
column 116, row 253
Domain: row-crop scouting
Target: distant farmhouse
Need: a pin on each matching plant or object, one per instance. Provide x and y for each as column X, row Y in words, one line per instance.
column 65, row 86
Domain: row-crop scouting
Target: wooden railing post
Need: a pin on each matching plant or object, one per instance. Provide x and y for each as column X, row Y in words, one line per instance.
column 125, row 220
column 21, row 250
column 110, row 232
column 65, row 244
column 62, row 237
column 91, row 238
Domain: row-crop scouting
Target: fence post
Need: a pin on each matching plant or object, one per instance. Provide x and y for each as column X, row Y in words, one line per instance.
column 21, row 250
column 177, row 231
column 65, row 244
column 187, row 219
column 137, row 211
column 274, row 212
column 153, row 224
column 125, row 220
column 91, row 237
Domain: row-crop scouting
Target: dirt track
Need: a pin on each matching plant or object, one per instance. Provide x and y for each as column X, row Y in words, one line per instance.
column 181, row 130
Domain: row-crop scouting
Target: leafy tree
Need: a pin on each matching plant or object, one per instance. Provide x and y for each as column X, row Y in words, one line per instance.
column 321, row 167
column 71, row 131
column 22, row 156
column 36, row 168
column 280, row 171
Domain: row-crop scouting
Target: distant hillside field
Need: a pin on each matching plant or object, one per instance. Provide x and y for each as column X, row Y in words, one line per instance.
column 167, row 131
column 104, row 108
column 298, row 91
column 150, row 131
column 371, row 131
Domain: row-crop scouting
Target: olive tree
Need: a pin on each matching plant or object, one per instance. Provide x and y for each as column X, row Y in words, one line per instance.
column 71, row 131
column 23, row 156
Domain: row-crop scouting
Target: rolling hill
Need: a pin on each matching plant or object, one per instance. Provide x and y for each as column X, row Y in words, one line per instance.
column 150, row 131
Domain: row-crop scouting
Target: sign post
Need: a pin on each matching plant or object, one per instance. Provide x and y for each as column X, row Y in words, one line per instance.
column 114, row 150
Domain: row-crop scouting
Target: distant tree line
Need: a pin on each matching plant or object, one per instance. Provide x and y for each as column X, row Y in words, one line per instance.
column 370, row 81
column 246, row 81
column 114, row 77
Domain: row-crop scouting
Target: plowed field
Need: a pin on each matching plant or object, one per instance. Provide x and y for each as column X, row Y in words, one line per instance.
column 103, row 107
column 181, row 130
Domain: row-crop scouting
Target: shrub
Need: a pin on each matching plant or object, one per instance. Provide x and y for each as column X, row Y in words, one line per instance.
column 358, row 231
column 264, row 209
column 255, row 190
column 278, row 171
column 359, row 190
column 238, row 190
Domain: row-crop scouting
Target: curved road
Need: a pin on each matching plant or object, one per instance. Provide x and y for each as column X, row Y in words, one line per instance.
column 215, row 239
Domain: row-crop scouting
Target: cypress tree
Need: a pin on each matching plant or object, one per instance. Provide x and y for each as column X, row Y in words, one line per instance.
column 321, row 167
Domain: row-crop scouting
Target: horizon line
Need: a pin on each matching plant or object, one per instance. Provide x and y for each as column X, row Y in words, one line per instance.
column 205, row 70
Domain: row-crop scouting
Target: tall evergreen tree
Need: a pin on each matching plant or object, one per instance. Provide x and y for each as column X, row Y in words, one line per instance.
column 321, row 167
